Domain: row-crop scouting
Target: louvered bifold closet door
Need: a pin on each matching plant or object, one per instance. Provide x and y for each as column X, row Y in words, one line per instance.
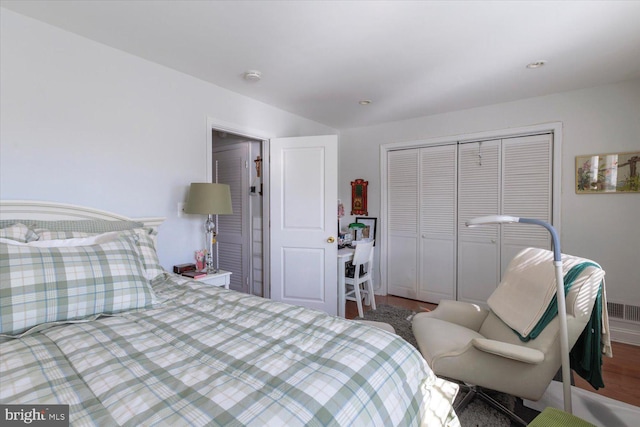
column 526, row 192
column 438, row 182
column 402, row 210
column 478, row 195
column 233, row 231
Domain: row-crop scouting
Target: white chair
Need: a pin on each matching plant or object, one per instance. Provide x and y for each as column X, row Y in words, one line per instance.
column 363, row 267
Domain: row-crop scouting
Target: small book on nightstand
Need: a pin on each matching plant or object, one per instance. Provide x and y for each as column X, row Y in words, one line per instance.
column 194, row 274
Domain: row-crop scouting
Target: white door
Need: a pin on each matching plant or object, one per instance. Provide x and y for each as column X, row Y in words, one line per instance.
column 230, row 166
column 402, row 205
column 478, row 195
column 507, row 177
column 438, row 202
column 527, row 181
column 303, row 230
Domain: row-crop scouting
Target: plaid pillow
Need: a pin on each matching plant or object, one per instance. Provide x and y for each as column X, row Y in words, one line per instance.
column 145, row 241
column 18, row 232
column 144, row 238
column 41, row 285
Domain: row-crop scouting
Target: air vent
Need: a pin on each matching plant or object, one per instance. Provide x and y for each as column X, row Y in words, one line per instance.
column 629, row 313
column 615, row 310
column 632, row 313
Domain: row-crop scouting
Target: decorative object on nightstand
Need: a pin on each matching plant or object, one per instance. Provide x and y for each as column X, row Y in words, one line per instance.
column 209, row 199
column 200, row 257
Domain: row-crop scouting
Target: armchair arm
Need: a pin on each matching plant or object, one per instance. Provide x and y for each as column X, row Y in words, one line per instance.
column 511, row 351
column 460, row 313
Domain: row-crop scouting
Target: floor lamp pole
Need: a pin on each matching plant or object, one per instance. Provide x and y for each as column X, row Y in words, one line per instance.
column 562, row 312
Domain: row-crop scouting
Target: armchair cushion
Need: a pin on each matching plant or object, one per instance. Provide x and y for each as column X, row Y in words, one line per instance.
column 439, row 338
column 511, row 351
column 461, row 313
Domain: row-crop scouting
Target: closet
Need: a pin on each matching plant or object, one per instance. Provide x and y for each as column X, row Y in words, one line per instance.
column 433, row 190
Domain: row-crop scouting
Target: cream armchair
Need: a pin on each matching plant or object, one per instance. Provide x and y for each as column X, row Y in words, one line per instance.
column 479, row 347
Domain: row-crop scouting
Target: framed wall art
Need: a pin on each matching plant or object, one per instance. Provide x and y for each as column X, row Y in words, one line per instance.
column 608, row 173
column 359, row 197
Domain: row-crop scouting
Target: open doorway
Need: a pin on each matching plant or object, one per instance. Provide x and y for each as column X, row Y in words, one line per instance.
column 237, row 161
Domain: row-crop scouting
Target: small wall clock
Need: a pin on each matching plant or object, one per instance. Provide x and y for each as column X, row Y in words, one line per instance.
column 359, row 197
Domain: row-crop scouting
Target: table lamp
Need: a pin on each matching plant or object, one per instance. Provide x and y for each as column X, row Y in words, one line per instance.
column 562, row 306
column 209, row 199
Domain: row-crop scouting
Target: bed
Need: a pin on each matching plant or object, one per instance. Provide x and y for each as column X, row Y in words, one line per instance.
column 91, row 320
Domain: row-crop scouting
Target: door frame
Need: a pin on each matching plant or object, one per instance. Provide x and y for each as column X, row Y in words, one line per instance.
column 555, row 128
column 215, row 124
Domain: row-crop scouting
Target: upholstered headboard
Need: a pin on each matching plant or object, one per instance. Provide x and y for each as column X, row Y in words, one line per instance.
column 52, row 211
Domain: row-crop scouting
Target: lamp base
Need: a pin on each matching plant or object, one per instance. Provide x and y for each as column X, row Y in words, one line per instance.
column 209, row 227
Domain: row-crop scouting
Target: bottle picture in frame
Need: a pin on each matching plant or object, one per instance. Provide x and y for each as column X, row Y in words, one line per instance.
column 369, row 231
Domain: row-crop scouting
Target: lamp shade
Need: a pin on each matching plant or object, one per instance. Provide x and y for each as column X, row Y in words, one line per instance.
column 492, row 219
column 209, row 199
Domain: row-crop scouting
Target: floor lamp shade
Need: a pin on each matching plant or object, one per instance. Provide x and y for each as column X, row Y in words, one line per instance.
column 209, row 199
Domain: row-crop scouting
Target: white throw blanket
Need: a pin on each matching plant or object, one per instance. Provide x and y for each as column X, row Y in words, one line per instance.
column 529, row 285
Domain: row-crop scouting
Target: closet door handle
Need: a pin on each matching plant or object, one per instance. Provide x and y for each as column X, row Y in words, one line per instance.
column 331, row 239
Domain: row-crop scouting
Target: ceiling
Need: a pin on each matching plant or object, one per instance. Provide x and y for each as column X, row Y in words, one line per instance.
column 318, row 59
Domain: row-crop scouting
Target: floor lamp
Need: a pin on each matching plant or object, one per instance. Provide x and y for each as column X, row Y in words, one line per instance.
column 562, row 306
column 209, row 199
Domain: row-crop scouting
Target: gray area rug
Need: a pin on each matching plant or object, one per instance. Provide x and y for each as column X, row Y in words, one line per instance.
column 477, row 413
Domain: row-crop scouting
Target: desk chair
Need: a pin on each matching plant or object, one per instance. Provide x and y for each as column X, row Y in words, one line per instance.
column 360, row 275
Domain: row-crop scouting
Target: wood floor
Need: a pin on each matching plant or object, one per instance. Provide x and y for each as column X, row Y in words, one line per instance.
column 621, row 373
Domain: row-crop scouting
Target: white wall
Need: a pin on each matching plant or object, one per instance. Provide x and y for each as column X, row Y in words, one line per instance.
column 86, row 124
column 605, row 119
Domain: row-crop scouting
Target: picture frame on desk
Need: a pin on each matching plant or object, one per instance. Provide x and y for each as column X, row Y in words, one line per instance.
column 369, row 231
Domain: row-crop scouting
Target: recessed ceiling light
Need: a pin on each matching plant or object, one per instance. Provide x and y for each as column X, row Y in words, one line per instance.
column 252, row 75
column 364, row 102
column 536, row 64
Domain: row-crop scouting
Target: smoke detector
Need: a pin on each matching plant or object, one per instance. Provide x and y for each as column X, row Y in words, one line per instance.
column 252, row 75
column 536, row 64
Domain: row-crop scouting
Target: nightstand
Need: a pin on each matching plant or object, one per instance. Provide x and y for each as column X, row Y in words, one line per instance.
column 221, row 278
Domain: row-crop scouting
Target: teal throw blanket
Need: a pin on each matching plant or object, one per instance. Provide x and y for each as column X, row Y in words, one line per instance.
column 586, row 354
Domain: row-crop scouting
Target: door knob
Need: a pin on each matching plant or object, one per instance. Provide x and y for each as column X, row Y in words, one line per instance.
column 331, row 239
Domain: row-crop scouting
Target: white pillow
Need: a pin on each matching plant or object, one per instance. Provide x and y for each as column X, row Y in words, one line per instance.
column 60, row 243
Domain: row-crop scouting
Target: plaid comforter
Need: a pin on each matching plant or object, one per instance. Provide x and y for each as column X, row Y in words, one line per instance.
column 209, row 356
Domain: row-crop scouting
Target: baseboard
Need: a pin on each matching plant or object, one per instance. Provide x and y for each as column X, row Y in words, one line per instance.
column 624, row 335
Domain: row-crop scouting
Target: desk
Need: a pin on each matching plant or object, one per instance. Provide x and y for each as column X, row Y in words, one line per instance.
column 344, row 255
